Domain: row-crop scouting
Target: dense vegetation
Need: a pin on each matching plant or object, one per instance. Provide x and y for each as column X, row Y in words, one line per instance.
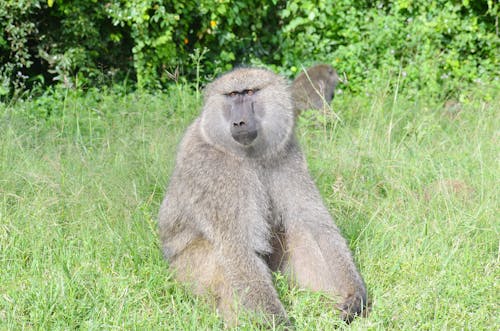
column 437, row 46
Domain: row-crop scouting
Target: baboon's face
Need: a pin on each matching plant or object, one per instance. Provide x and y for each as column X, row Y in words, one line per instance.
column 239, row 111
column 333, row 80
column 248, row 111
column 327, row 79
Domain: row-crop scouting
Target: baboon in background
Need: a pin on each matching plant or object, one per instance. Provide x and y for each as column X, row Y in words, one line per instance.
column 241, row 203
column 314, row 87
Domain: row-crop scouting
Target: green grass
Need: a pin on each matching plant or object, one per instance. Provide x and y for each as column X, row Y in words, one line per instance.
column 79, row 195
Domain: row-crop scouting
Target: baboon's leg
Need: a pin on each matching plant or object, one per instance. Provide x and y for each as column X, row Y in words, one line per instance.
column 321, row 261
column 239, row 280
column 198, row 266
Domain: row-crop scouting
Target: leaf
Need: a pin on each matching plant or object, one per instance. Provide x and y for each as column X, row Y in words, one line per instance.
column 50, row 3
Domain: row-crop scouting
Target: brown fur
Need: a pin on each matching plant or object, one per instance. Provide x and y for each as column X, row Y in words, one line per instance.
column 234, row 212
column 314, row 88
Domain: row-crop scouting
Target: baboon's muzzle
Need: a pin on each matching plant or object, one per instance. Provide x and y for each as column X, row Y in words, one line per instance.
column 243, row 122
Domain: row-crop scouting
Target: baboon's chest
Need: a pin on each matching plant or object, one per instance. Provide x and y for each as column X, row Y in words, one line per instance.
column 259, row 222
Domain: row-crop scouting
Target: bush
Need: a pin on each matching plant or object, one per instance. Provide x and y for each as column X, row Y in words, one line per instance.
column 167, row 34
column 430, row 44
column 69, row 42
column 437, row 46
column 14, row 51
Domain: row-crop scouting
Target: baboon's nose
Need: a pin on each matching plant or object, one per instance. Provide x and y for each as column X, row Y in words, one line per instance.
column 239, row 124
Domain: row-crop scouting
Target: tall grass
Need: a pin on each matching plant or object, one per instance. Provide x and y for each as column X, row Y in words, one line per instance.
column 413, row 186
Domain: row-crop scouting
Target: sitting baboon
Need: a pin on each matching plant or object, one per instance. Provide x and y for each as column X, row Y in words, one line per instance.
column 241, row 203
column 314, row 88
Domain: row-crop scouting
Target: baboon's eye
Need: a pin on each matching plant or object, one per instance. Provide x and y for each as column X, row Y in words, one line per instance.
column 232, row 94
column 250, row 91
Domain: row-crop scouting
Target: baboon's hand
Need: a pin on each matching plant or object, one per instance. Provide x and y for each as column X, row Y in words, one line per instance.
column 354, row 305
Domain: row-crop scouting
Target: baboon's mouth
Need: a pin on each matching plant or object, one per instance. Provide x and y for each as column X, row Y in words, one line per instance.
column 245, row 137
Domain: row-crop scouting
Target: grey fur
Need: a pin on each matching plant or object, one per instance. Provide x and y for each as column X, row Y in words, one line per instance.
column 314, row 88
column 234, row 212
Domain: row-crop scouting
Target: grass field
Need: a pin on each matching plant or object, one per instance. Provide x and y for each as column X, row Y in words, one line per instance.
column 413, row 185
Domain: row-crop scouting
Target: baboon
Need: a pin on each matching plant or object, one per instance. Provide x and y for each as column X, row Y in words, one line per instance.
column 314, row 88
column 241, row 204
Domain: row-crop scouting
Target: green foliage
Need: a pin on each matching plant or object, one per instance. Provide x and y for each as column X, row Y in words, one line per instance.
column 166, row 33
column 436, row 46
column 433, row 46
column 73, row 43
column 151, row 25
column 17, row 30
column 80, row 44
